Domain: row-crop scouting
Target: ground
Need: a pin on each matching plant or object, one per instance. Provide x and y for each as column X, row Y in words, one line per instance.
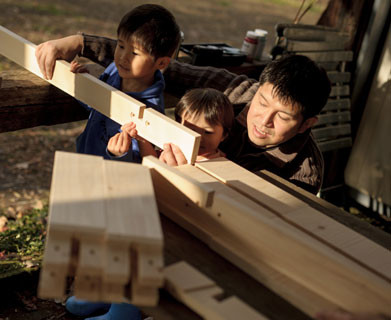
column 26, row 156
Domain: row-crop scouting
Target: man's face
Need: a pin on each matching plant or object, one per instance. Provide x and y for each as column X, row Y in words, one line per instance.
column 270, row 122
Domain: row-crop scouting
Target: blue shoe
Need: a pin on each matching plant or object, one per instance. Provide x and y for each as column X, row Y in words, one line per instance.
column 120, row 311
column 84, row 308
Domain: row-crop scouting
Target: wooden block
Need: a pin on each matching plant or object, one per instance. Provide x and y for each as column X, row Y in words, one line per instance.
column 57, row 254
column 88, row 287
column 144, row 295
column 117, row 264
column 77, row 195
column 91, row 257
column 200, row 194
column 150, row 264
column 113, row 292
column 132, row 214
column 155, row 127
column 52, row 282
column 159, row 129
column 199, row 293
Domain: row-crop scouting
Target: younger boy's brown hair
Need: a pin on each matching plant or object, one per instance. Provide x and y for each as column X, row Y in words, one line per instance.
column 214, row 104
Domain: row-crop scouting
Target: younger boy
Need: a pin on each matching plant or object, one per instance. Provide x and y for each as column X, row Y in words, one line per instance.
column 147, row 37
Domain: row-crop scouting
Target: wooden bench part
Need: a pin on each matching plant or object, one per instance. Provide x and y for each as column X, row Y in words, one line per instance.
column 109, row 101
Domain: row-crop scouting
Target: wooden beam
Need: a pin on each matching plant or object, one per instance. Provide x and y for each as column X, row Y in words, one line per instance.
column 198, row 292
column 254, row 239
column 199, row 193
column 99, row 95
column 302, row 216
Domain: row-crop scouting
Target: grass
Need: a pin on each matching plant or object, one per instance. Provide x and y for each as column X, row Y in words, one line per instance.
column 22, row 243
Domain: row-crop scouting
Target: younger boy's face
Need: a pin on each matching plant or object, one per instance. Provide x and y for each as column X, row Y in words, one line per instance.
column 211, row 135
column 271, row 122
column 133, row 62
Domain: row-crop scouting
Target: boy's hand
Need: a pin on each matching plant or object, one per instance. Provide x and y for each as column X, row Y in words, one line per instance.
column 130, row 128
column 172, row 155
column 76, row 67
column 119, row 144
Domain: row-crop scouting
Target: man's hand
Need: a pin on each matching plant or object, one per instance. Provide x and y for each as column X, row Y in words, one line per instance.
column 172, row 155
column 64, row 48
column 119, row 144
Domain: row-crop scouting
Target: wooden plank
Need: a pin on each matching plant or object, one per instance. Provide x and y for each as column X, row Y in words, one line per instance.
column 109, row 101
column 76, row 205
column 198, row 193
column 337, row 104
column 297, row 46
column 132, row 213
column 328, row 56
column 173, row 203
column 28, row 101
column 315, row 223
column 304, row 32
column 331, row 132
column 334, row 117
column 228, row 218
column 325, row 146
column 337, row 91
column 159, row 129
column 197, row 291
column 338, row 77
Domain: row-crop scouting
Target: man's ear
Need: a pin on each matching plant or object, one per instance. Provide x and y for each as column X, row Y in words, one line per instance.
column 308, row 123
column 162, row 63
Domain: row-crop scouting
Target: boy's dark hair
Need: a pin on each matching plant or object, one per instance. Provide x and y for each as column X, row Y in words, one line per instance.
column 214, row 104
column 299, row 81
column 153, row 28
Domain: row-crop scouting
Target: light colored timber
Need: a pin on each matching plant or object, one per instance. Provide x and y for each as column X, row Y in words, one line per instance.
column 105, row 214
column 200, row 194
column 109, row 101
column 199, row 293
column 296, row 212
column 236, row 229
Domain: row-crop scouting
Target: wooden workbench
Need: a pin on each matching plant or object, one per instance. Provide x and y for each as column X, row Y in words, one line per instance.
column 28, row 101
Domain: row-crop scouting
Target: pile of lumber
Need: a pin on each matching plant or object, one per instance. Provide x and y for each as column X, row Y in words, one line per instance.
column 304, row 256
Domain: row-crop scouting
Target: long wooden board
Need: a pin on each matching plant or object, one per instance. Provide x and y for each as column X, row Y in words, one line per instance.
column 198, row 292
column 256, row 240
column 294, row 211
column 109, row 101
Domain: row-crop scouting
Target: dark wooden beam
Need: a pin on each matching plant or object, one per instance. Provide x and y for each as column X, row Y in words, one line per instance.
column 28, row 101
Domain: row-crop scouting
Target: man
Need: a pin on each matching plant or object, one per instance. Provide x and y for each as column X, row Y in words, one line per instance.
column 274, row 116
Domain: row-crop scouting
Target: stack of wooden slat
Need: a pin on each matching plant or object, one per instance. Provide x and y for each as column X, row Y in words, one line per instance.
column 104, row 230
column 307, row 258
column 326, row 46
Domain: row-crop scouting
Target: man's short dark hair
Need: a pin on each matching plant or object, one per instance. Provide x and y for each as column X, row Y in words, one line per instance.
column 298, row 80
column 214, row 104
column 152, row 27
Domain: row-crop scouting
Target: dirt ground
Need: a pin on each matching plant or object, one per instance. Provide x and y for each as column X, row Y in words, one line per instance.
column 26, row 156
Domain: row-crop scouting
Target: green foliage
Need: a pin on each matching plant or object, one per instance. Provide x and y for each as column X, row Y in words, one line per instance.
column 22, row 243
